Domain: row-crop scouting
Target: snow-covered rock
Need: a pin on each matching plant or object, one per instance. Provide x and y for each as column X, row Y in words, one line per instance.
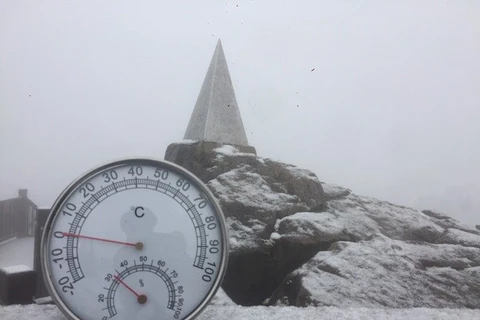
column 291, row 234
column 381, row 272
column 349, row 217
column 333, row 191
column 364, row 216
column 455, row 236
column 312, row 228
column 446, row 221
column 254, row 193
column 247, row 197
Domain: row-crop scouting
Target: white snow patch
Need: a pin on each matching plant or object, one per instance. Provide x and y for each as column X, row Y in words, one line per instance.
column 277, row 224
column 16, row 269
column 187, row 141
column 44, row 300
column 228, row 150
column 275, row 236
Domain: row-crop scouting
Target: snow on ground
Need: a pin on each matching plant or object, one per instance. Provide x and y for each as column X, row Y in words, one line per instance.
column 16, row 269
column 222, row 307
column 17, row 252
column 51, row 312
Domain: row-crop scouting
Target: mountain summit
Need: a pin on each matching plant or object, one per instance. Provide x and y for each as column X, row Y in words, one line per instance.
column 297, row 241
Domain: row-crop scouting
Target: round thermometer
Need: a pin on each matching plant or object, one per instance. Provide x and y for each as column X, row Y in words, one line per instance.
column 134, row 239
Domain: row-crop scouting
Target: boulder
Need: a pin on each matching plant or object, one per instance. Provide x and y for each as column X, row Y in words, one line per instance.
column 381, row 272
column 347, row 217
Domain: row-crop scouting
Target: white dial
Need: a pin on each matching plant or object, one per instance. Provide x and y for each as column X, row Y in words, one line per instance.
column 134, row 239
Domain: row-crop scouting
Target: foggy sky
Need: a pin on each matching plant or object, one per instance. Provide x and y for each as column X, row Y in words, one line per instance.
column 391, row 109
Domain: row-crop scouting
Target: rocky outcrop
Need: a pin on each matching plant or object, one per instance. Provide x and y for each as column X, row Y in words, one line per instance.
column 254, row 194
column 290, row 235
column 381, row 272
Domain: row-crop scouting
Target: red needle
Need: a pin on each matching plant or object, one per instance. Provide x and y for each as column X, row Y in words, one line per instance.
column 137, row 245
column 141, row 298
column 120, row 280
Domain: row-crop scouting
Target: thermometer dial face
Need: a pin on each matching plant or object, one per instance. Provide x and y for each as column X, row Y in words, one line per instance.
column 134, row 239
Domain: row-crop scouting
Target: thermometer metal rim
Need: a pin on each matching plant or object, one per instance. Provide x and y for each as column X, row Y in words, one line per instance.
column 61, row 199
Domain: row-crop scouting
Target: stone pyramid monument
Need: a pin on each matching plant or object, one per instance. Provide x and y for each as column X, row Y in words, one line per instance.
column 216, row 117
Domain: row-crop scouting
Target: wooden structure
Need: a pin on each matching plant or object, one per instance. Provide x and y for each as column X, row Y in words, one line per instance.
column 17, row 217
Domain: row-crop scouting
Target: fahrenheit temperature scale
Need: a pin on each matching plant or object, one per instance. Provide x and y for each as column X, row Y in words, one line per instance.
column 134, row 239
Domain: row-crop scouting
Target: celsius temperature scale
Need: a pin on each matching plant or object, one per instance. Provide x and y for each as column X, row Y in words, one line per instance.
column 134, row 239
